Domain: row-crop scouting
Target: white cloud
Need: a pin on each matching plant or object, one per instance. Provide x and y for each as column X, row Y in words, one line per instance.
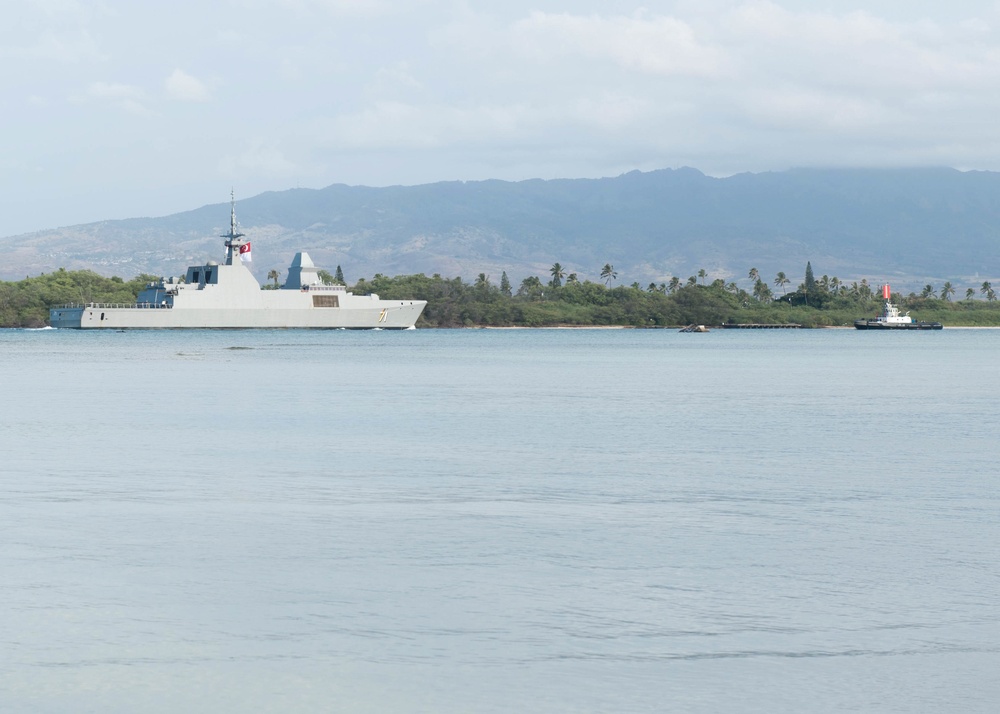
column 124, row 96
column 425, row 126
column 660, row 45
column 111, row 90
column 817, row 111
column 334, row 7
column 258, row 158
column 183, row 87
column 60, row 46
column 858, row 51
column 395, row 78
column 385, row 92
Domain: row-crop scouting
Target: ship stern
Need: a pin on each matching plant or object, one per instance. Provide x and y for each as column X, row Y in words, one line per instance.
column 66, row 317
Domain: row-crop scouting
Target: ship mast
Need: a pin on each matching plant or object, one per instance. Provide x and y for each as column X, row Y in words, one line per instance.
column 233, row 242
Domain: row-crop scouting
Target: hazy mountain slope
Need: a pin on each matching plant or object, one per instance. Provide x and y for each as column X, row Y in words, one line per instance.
column 916, row 225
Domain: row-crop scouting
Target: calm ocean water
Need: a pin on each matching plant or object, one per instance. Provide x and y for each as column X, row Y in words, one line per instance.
column 500, row 520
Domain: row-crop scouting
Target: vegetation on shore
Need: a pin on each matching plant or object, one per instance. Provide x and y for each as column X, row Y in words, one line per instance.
column 565, row 300
column 26, row 303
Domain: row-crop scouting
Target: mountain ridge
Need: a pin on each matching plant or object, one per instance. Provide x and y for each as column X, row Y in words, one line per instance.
column 907, row 225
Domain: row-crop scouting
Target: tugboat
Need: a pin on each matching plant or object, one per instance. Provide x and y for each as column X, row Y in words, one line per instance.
column 890, row 319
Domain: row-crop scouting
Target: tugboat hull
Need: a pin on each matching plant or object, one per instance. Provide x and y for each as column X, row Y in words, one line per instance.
column 878, row 325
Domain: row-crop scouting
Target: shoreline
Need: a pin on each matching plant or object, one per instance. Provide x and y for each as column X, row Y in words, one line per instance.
column 672, row 327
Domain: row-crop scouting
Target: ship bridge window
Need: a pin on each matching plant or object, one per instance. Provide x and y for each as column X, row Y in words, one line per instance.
column 326, row 301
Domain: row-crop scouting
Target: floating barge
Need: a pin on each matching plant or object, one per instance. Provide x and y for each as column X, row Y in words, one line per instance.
column 760, row 326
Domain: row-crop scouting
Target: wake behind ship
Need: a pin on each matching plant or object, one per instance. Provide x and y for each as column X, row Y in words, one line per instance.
column 229, row 296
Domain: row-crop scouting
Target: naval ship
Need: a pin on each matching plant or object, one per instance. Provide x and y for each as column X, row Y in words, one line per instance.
column 229, row 296
column 890, row 319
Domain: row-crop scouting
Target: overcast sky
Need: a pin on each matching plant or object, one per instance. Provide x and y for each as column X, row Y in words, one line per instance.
column 114, row 108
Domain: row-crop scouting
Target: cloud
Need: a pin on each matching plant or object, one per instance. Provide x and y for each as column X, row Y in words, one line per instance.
column 397, row 124
column 726, row 86
column 858, row 51
column 362, row 8
column 60, row 46
column 437, row 89
column 111, row 90
column 395, row 78
column 185, row 88
column 659, row 45
column 258, row 158
column 124, row 96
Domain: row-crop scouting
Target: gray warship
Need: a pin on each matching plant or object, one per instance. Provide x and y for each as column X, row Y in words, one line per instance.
column 215, row 296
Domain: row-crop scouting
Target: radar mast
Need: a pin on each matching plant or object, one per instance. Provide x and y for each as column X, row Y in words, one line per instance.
column 233, row 242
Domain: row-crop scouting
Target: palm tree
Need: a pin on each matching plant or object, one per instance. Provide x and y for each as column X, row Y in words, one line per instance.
column 754, row 274
column 692, row 281
column 947, row 290
column 761, row 291
column 928, row 292
column 781, row 281
column 702, row 274
column 970, row 293
column 608, row 273
column 673, row 285
column 986, row 289
column 273, row 275
column 835, row 285
column 531, row 287
column 557, row 275
column 572, row 279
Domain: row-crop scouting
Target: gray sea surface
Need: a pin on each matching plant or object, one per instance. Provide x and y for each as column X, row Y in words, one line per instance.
column 499, row 520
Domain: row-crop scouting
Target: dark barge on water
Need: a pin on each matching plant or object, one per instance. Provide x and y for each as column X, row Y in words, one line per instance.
column 760, row 326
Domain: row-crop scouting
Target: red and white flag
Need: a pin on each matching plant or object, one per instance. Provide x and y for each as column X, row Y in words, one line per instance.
column 886, row 292
column 245, row 252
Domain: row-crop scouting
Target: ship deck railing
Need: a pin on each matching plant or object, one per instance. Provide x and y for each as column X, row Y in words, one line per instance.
column 114, row 305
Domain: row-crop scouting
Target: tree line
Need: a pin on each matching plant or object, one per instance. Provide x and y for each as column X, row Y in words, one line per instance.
column 564, row 299
column 26, row 303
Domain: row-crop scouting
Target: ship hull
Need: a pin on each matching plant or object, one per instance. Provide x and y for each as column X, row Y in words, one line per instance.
column 393, row 316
